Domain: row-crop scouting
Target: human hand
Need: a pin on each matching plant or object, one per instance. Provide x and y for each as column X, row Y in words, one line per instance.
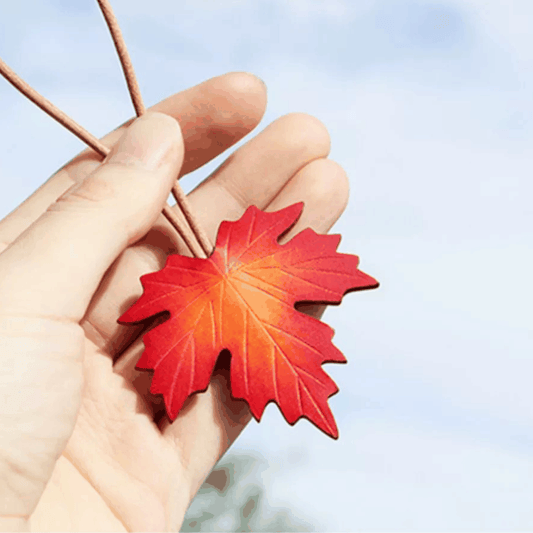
column 83, row 443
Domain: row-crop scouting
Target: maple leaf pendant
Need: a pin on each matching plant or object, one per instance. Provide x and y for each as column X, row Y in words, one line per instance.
column 242, row 298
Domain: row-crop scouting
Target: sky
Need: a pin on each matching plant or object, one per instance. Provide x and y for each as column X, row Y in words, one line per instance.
column 430, row 110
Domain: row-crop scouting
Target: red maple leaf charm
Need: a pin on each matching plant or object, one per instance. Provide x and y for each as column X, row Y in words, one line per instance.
column 242, row 298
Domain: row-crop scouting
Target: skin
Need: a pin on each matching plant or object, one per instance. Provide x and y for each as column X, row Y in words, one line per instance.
column 84, row 445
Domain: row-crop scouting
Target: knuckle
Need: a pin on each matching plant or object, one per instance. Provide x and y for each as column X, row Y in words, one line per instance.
column 93, row 190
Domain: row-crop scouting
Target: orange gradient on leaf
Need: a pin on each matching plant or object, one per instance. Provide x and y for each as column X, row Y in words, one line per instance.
column 242, row 299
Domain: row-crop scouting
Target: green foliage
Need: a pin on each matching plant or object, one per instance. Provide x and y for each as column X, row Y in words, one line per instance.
column 233, row 499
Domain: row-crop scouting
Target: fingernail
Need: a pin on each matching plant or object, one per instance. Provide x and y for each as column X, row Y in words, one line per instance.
column 150, row 142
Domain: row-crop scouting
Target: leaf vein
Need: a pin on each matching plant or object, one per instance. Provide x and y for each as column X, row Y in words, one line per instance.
column 284, row 355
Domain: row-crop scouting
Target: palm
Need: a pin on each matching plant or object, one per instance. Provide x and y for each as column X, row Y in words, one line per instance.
column 143, row 468
column 116, row 442
column 116, row 421
column 125, row 425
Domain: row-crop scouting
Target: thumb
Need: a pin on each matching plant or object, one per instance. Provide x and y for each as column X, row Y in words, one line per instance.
column 55, row 266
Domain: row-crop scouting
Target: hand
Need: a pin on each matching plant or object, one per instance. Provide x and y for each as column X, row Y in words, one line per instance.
column 83, row 443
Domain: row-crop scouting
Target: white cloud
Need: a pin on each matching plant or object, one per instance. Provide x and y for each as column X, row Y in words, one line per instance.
column 385, row 475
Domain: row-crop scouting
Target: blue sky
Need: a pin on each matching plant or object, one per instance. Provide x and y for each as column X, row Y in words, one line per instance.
column 430, row 110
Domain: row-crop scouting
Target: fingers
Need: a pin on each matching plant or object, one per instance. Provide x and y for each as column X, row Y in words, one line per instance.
column 256, row 172
column 323, row 187
column 261, row 168
column 330, row 186
column 326, row 188
column 213, row 116
column 54, row 268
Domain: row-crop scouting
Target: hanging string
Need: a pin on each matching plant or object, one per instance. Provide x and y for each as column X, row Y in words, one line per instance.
column 52, row 110
column 177, row 222
column 183, row 222
column 135, row 94
column 125, row 60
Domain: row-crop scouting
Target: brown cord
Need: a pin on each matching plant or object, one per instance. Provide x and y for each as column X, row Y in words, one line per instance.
column 52, row 110
column 195, row 239
column 201, row 237
column 58, row 115
column 125, row 60
column 135, row 94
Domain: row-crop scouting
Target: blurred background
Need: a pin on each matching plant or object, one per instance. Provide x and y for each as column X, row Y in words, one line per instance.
column 430, row 109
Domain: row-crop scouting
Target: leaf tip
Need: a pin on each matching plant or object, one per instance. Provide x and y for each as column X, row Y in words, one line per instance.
column 370, row 282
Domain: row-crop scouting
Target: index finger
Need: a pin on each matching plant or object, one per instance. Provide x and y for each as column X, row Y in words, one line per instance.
column 213, row 116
